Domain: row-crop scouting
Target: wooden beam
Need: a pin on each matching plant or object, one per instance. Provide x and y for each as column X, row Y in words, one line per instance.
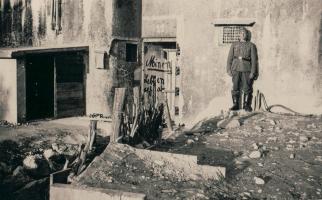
column 119, row 99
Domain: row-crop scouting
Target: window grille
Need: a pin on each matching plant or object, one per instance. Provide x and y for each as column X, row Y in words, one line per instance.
column 231, row 34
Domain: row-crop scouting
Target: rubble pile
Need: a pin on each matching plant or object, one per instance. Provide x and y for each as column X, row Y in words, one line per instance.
column 25, row 166
column 278, row 155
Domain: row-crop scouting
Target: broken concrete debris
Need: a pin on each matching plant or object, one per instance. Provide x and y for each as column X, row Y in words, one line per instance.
column 190, row 141
column 304, row 138
column 228, row 123
column 259, row 181
column 255, row 154
column 292, row 156
column 255, row 146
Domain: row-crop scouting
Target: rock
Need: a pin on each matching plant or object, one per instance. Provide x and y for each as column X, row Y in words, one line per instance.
column 190, row 141
column 55, row 147
column 292, row 156
column 255, row 146
column 259, row 191
column 278, row 129
column 159, row 162
column 259, row 181
column 30, row 162
column 62, row 148
column 272, row 122
column 221, row 123
column 313, row 126
column 304, row 138
column 110, row 179
column 272, row 139
column 233, row 124
column 260, row 164
column 228, row 123
column 232, row 114
column 289, row 147
column 146, row 144
column 292, row 141
column 255, row 154
column 276, row 148
column 36, row 165
column 258, row 128
column 48, row 153
column 169, row 191
column 318, row 158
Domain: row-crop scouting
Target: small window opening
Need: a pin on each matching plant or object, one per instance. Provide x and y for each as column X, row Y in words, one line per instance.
column 131, row 52
column 231, row 34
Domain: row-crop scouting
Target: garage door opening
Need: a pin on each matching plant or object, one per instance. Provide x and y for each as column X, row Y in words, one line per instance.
column 55, row 85
column 39, row 87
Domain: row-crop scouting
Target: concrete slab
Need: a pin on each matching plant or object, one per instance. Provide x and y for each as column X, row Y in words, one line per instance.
column 70, row 192
column 59, row 190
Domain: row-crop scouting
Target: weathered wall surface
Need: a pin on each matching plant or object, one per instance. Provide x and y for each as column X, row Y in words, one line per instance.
column 287, row 34
column 92, row 23
column 8, row 90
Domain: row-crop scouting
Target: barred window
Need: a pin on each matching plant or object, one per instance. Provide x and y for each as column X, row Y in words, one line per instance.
column 230, row 34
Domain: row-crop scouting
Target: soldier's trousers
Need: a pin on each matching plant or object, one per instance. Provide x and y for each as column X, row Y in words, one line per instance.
column 242, row 82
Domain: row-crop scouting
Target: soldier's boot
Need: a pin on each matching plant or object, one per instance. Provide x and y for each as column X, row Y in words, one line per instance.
column 248, row 102
column 235, row 102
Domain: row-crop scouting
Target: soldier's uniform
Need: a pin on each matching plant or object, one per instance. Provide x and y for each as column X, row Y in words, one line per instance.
column 242, row 65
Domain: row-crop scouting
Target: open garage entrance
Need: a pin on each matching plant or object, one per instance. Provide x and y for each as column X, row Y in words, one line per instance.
column 39, row 87
column 55, row 84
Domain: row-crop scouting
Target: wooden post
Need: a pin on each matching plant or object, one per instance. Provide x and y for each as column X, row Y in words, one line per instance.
column 136, row 110
column 92, row 129
column 168, row 116
column 119, row 99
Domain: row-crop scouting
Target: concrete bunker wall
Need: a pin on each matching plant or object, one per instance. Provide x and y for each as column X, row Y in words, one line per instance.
column 287, row 35
column 95, row 24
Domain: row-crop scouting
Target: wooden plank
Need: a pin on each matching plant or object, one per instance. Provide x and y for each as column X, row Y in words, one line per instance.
column 136, row 109
column 168, row 116
column 117, row 111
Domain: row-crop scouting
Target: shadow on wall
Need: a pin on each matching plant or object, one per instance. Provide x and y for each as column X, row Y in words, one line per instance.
column 4, row 94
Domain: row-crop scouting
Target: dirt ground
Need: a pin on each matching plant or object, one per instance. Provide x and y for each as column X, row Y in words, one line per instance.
column 267, row 156
column 288, row 163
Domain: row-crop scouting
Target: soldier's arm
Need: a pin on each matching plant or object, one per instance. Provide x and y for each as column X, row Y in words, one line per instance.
column 230, row 59
column 254, row 62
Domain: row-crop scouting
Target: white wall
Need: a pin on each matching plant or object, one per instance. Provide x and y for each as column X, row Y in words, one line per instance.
column 8, row 90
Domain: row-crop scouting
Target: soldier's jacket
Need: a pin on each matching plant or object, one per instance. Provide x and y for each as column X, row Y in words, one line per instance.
column 243, row 57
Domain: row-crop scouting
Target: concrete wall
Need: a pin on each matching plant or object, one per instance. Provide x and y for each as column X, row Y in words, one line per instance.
column 93, row 23
column 8, row 90
column 287, row 34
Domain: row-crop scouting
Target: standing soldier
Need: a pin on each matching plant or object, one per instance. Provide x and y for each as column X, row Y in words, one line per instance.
column 242, row 65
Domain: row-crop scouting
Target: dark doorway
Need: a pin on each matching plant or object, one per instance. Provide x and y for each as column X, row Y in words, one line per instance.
column 39, row 87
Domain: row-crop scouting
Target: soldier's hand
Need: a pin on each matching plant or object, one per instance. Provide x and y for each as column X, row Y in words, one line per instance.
column 251, row 76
